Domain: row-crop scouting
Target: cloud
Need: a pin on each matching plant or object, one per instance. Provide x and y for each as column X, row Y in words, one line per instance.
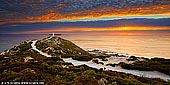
column 54, row 10
column 122, row 24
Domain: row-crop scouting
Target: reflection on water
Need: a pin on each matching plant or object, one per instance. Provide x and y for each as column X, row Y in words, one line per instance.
column 147, row 45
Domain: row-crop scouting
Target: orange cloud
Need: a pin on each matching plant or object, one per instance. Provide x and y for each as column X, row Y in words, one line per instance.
column 103, row 12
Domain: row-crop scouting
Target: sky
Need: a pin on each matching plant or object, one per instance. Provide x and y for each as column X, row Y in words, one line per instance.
column 45, row 16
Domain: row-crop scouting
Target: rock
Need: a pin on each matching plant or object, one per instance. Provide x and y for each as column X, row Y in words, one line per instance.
column 26, row 59
column 95, row 61
column 102, row 81
column 113, row 65
column 101, row 63
column 104, row 59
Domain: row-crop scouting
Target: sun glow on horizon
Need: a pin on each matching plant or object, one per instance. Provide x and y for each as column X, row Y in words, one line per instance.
column 81, row 29
column 119, row 28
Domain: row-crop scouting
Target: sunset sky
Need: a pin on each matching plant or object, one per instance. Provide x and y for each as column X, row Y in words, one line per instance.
column 46, row 16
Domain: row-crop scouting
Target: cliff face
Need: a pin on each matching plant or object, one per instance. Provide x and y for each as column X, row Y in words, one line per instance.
column 59, row 47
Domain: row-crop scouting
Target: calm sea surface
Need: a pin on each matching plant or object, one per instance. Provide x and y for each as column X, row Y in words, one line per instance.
column 139, row 45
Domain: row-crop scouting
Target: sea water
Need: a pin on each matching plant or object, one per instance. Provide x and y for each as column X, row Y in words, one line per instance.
column 149, row 46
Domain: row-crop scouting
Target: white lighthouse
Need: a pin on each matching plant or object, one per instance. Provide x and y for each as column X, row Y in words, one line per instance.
column 53, row 34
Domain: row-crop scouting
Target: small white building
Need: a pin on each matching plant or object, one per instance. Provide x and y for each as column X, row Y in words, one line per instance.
column 53, row 34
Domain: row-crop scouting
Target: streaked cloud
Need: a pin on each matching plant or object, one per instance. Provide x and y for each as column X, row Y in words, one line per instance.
column 104, row 18
column 80, row 10
column 109, row 25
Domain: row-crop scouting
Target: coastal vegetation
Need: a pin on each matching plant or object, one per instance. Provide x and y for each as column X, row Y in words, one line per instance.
column 154, row 64
column 22, row 63
column 136, row 63
column 57, row 46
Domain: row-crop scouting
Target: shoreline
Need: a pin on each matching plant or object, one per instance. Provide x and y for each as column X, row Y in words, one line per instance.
column 148, row 74
column 88, row 49
column 48, row 58
column 40, row 36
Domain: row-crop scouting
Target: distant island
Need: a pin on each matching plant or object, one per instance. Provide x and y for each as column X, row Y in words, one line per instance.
column 57, row 61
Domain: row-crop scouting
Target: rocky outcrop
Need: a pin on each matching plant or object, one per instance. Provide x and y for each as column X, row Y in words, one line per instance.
column 102, row 81
column 59, row 47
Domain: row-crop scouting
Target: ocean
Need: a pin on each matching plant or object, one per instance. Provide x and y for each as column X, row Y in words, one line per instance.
column 143, row 44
